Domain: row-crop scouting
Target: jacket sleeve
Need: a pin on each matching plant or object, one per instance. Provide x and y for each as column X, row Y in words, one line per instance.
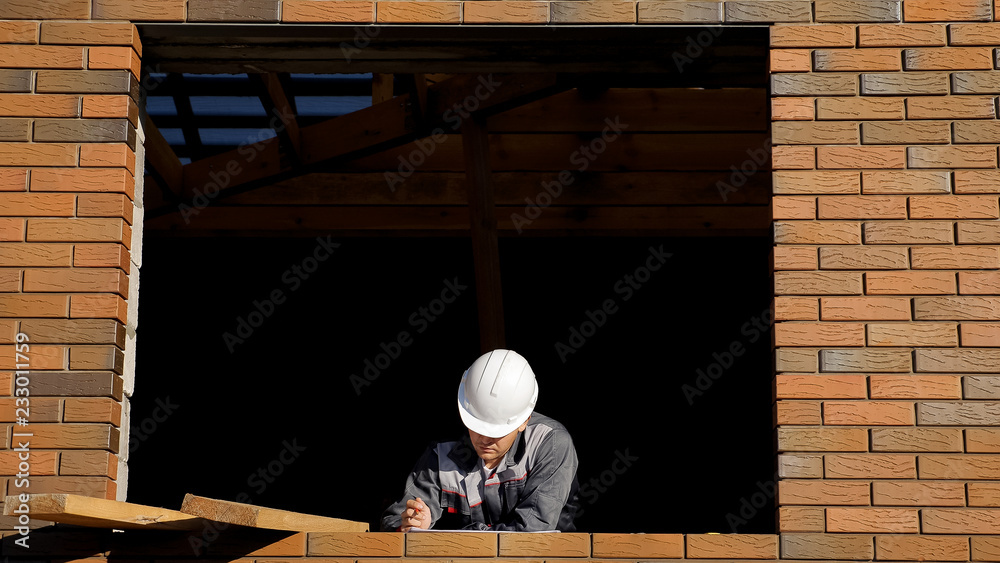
column 547, row 487
column 422, row 482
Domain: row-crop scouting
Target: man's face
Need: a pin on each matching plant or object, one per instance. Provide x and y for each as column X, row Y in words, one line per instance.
column 491, row 450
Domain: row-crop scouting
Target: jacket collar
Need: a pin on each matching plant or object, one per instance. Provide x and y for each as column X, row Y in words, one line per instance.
column 464, row 454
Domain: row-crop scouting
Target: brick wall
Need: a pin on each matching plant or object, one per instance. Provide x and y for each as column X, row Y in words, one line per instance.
column 887, row 250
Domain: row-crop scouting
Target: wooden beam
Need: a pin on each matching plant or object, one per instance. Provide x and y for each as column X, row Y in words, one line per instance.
column 382, row 87
column 269, row 518
column 483, row 230
column 416, row 86
column 280, row 111
column 182, row 101
column 162, row 159
column 101, row 513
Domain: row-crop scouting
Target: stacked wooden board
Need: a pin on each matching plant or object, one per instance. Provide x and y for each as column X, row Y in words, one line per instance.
column 194, row 513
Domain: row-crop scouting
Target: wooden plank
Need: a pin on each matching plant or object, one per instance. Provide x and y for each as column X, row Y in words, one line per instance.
column 483, row 231
column 261, row 517
column 382, row 85
column 101, row 513
column 280, row 112
column 162, row 159
column 454, row 221
column 448, row 188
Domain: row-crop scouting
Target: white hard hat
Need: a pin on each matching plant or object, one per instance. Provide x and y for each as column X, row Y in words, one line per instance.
column 497, row 393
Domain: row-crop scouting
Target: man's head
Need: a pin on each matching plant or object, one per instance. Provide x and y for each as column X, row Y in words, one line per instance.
column 495, row 399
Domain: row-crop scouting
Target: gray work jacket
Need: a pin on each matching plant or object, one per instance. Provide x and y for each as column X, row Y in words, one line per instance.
column 534, row 489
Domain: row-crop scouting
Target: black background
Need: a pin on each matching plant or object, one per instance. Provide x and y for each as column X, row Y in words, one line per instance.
column 290, row 380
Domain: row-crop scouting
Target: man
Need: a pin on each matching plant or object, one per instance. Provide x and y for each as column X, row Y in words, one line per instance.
column 515, row 471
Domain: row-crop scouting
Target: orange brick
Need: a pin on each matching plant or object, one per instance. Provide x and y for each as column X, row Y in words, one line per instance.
column 986, row 548
column 870, row 466
column 954, row 257
column 862, row 258
column 952, row 157
column 859, row 108
column 978, row 232
column 861, row 207
column 140, row 10
column 13, row 179
column 84, row 462
column 37, row 205
column 514, row 11
column 979, row 283
column 98, row 409
column 860, row 157
column 812, row 132
column 915, row 386
column 639, row 546
column 817, row 232
column 908, row 439
column 98, row 306
column 732, row 546
column 872, row 520
column 802, row 413
column 895, row 35
column 555, row 545
column 982, row 440
column 905, row 283
column 101, row 155
column 588, row 12
column 101, row 256
column 905, row 182
column 40, row 463
column 790, row 60
column 40, row 56
column 796, row 309
column 812, row 35
column 792, row 108
column 914, row 493
column 801, row 519
column 793, row 158
column 311, row 11
column 67, row 280
column 954, row 10
column 79, row 230
column 960, row 520
column 956, row 308
column 11, row 229
column 453, row 544
column 822, row 439
column 909, row 232
column 91, row 33
column 819, row 334
column 419, row 12
column 954, row 207
column 793, row 207
column 974, row 33
column 950, row 107
column 795, row 258
column 113, row 58
column 18, row 32
column 34, row 305
column 855, row 60
column 984, row 494
column 800, row 466
column 959, row 466
column 105, row 205
column 912, row 334
column 42, row 357
column 28, row 254
column 37, row 154
column 951, row 58
column 791, row 386
column 813, row 491
column 868, row 413
column 358, row 544
column 980, row 334
column 816, row 182
column 922, row 548
column 111, row 106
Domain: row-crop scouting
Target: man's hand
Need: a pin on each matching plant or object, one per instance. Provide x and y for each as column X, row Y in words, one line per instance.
column 416, row 515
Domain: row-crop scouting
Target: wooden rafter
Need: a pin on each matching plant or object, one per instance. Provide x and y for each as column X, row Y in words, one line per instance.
column 162, row 159
column 189, row 127
column 280, row 111
column 261, row 517
column 382, row 88
column 101, row 513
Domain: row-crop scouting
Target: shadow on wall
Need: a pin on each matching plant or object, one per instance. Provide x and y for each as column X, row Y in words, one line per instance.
column 309, row 374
